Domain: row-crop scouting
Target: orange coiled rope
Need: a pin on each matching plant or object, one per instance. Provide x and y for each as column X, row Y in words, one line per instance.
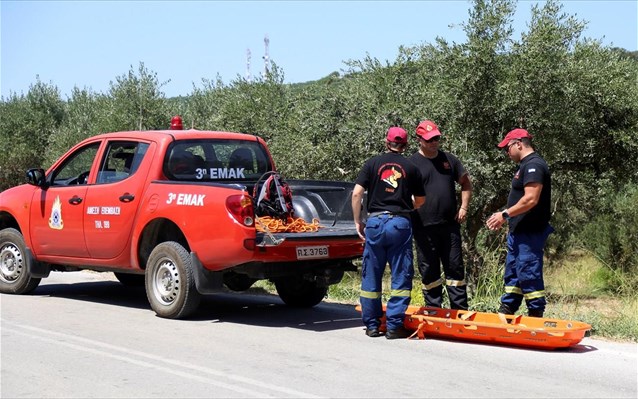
column 293, row 225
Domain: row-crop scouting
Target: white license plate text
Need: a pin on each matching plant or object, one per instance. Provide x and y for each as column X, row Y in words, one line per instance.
column 316, row 252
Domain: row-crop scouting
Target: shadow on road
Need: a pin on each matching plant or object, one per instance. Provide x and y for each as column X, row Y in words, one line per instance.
column 269, row 311
column 575, row 349
column 105, row 292
column 226, row 307
column 245, row 308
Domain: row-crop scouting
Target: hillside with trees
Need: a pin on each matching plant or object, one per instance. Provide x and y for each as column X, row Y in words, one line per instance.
column 578, row 98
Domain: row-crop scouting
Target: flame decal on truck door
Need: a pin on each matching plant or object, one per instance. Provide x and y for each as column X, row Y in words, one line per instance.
column 55, row 221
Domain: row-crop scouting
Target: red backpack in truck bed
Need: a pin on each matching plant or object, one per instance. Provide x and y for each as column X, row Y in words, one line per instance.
column 275, row 197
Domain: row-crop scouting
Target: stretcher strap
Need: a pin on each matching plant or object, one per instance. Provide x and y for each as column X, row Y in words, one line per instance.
column 466, row 315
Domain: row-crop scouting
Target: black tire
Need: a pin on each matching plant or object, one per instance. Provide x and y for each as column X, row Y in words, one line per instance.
column 170, row 284
column 130, row 280
column 299, row 293
column 14, row 269
column 238, row 282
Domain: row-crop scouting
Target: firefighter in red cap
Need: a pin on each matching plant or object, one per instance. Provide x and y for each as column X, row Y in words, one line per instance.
column 394, row 189
column 437, row 230
column 527, row 214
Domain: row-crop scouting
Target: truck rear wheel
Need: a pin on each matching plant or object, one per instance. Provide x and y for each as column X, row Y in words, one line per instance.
column 170, row 284
column 14, row 271
column 300, row 293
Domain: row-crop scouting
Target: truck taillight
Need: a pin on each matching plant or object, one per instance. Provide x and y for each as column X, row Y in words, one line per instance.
column 241, row 207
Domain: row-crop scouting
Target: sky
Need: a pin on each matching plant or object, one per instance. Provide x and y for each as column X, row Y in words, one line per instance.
column 88, row 44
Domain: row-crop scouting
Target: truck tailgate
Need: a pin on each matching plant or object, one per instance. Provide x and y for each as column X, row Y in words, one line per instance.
column 320, row 235
column 339, row 242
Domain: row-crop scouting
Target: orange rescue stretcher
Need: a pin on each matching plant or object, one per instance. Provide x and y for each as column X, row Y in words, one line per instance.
column 516, row 330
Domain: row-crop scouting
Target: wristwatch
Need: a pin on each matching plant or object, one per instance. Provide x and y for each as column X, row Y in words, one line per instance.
column 506, row 215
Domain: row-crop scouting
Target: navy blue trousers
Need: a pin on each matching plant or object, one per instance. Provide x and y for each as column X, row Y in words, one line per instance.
column 524, row 272
column 388, row 240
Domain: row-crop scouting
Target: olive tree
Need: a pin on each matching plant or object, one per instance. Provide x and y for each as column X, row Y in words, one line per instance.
column 26, row 124
column 136, row 102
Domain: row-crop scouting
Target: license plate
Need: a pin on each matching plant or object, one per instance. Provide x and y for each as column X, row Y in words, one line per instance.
column 316, row 252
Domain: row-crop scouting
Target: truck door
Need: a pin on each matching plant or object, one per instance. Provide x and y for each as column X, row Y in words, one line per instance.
column 57, row 213
column 112, row 203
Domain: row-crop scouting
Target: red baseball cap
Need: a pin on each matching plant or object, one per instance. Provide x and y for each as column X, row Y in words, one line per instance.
column 396, row 135
column 427, row 129
column 514, row 135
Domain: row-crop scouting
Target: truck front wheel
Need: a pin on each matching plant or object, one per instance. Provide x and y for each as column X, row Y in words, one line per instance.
column 297, row 292
column 170, row 284
column 14, row 273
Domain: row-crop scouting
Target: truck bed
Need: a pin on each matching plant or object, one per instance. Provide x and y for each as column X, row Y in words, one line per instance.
column 340, row 230
column 329, row 202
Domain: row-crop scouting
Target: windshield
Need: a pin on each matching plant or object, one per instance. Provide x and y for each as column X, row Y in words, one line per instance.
column 215, row 160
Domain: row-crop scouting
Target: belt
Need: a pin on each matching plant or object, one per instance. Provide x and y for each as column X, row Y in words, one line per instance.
column 387, row 213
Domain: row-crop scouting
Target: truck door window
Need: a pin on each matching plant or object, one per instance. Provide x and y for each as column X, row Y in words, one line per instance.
column 76, row 168
column 122, row 158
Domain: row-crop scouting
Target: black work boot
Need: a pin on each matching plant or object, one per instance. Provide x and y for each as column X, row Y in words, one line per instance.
column 502, row 311
column 505, row 309
column 433, row 297
column 373, row 332
column 458, row 297
column 534, row 312
column 398, row 333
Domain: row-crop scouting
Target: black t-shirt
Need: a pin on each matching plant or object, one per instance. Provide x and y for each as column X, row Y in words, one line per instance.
column 440, row 175
column 532, row 169
column 391, row 181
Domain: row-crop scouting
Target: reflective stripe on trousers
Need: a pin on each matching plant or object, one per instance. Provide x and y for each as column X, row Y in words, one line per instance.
column 440, row 245
column 388, row 240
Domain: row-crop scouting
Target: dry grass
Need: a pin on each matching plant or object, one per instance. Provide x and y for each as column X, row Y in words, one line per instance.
column 578, row 290
column 576, row 275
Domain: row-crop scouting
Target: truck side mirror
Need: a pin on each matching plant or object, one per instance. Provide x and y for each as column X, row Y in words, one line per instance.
column 36, row 177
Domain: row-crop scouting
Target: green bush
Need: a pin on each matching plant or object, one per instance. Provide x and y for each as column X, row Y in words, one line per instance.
column 612, row 236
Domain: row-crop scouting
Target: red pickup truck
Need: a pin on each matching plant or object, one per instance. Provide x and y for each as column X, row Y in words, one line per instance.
column 176, row 211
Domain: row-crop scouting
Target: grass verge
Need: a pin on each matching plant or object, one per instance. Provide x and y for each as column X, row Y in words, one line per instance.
column 578, row 288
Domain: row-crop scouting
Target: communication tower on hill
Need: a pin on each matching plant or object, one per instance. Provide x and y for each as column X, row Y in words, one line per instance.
column 248, row 77
column 266, row 57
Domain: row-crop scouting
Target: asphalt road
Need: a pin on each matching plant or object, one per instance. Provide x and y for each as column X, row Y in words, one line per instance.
column 83, row 335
